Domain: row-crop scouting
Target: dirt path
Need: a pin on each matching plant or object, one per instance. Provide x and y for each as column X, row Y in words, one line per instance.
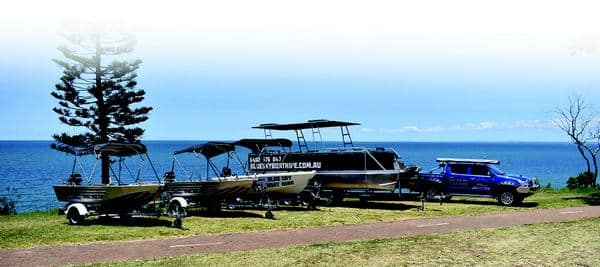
column 117, row 251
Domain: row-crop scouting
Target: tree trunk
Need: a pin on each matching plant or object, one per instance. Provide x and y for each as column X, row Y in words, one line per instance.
column 587, row 160
column 595, row 160
column 102, row 116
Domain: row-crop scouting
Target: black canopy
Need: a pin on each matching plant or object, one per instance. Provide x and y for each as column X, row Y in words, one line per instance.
column 209, row 150
column 112, row 149
column 304, row 125
column 257, row 145
column 120, row 150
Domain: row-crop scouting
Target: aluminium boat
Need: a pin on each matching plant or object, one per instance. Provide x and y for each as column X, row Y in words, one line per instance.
column 223, row 185
column 85, row 198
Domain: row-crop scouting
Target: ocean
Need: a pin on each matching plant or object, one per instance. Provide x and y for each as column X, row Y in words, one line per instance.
column 32, row 167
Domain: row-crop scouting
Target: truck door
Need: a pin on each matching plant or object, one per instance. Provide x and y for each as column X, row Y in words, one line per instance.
column 480, row 180
column 457, row 178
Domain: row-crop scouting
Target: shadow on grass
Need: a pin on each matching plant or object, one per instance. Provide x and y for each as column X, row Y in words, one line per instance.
column 525, row 204
column 133, row 222
column 374, row 205
column 593, row 199
column 225, row 214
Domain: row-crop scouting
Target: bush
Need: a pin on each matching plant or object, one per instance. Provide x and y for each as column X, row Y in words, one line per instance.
column 8, row 201
column 583, row 180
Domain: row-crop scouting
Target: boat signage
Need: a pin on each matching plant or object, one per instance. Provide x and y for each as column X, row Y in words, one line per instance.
column 276, row 181
column 273, row 162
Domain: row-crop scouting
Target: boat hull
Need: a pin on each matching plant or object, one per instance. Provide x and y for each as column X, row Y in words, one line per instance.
column 285, row 183
column 215, row 188
column 340, row 169
column 112, row 197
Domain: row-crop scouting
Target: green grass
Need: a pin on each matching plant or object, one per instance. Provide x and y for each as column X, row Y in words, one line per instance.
column 48, row 228
column 552, row 244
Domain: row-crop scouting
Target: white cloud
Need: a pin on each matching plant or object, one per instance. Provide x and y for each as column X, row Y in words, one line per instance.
column 475, row 126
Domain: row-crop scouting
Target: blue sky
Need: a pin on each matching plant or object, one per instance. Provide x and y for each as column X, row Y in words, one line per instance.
column 430, row 71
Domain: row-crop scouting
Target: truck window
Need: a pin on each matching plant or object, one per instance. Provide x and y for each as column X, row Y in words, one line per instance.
column 481, row 170
column 459, row 168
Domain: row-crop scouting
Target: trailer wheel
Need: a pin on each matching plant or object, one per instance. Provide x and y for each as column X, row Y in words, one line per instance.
column 74, row 217
column 269, row 215
column 337, row 197
column 178, row 223
column 176, row 210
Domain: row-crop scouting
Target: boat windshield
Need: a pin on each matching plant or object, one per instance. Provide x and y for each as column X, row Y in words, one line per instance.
column 437, row 170
column 496, row 170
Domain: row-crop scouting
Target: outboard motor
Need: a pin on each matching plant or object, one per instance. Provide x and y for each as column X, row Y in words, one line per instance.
column 74, row 179
column 169, row 177
column 225, row 172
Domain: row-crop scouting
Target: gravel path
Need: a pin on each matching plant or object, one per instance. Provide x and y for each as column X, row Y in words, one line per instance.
column 149, row 249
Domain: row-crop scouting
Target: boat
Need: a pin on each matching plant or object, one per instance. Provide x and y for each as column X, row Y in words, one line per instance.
column 86, row 198
column 223, row 184
column 347, row 170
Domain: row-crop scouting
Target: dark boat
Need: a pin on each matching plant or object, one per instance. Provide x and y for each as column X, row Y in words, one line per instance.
column 84, row 198
column 343, row 170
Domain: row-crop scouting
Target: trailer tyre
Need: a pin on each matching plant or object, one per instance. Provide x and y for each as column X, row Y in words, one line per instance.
column 176, row 210
column 269, row 215
column 337, row 197
column 74, row 217
column 178, row 223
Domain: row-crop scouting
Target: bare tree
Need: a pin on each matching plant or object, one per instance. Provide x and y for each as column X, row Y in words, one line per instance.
column 580, row 123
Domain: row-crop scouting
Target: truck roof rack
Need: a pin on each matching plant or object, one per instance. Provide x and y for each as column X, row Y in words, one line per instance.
column 459, row 160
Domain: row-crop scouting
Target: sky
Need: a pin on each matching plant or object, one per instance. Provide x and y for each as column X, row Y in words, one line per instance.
column 406, row 70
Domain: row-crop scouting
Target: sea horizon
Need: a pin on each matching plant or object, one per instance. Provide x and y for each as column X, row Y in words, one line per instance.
column 32, row 167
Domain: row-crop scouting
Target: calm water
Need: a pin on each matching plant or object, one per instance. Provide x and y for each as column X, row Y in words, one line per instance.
column 32, row 167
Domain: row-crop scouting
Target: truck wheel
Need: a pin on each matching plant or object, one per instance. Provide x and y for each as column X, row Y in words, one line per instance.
column 507, row 198
column 74, row 217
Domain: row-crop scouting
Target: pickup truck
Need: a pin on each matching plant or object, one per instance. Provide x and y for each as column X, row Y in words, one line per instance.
column 476, row 178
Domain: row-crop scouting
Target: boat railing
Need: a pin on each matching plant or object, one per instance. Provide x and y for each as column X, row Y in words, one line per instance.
column 357, row 149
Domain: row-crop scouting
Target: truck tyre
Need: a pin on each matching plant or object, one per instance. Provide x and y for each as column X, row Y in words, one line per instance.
column 508, row 198
column 74, row 217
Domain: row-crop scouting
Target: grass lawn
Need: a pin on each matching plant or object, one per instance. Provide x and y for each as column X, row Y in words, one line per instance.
column 553, row 244
column 48, row 228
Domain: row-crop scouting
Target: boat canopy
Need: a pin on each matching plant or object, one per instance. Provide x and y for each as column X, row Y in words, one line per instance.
column 113, row 149
column 257, row 145
column 209, row 150
column 311, row 124
column 120, row 149
column 458, row 160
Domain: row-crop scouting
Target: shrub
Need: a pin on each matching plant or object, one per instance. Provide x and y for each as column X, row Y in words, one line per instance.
column 8, row 201
column 583, row 180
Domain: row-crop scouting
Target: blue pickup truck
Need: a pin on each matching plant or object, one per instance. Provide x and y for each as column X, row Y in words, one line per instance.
column 477, row 178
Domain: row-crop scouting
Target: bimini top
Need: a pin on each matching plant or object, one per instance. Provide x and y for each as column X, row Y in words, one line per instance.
column 257, row 145
column 304, row 125
column 209, row 150
column 112, row 149
column 457, row 160
column 120, row 149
